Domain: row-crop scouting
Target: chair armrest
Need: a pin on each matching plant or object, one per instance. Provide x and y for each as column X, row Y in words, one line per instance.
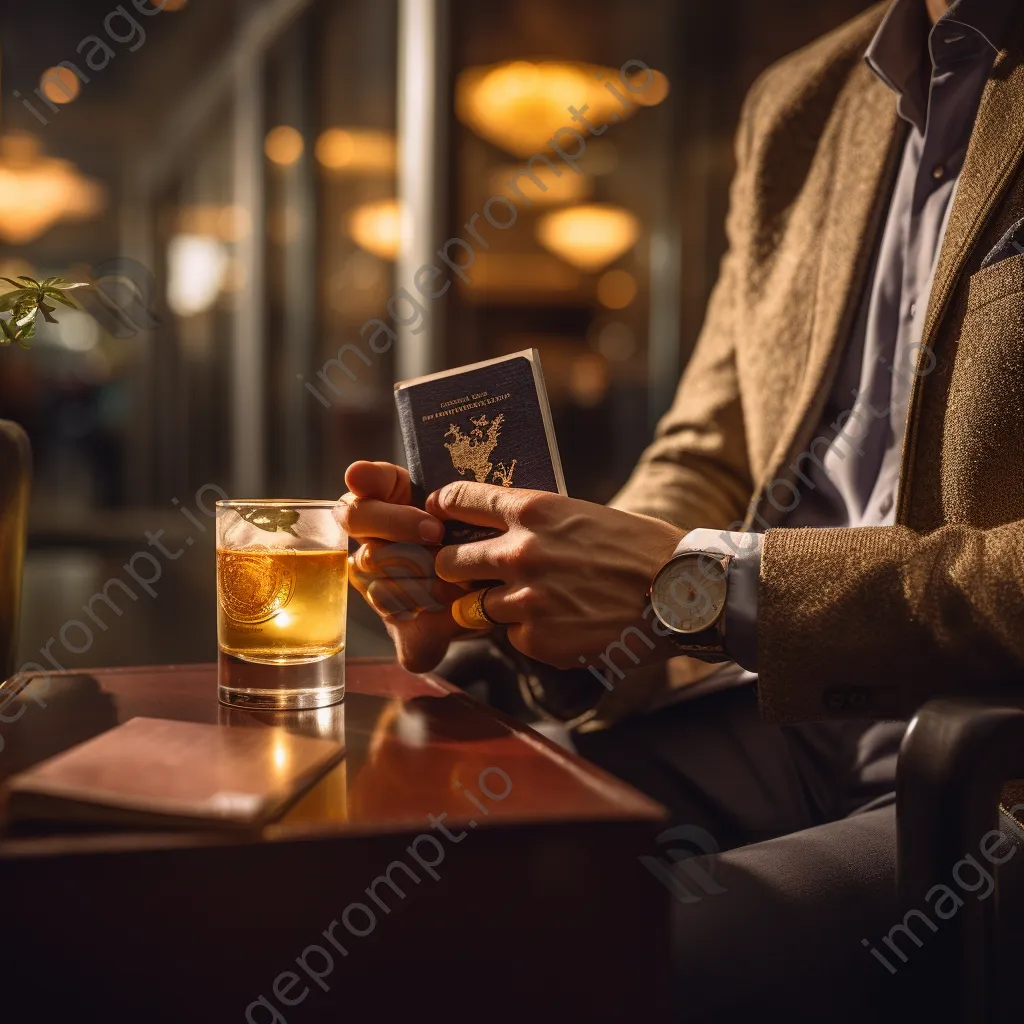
column 955, row 758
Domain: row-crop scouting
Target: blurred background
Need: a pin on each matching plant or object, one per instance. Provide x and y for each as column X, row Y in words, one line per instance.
column 245, row 183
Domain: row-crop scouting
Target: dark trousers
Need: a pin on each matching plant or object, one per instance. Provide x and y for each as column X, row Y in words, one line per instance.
column 803, row 819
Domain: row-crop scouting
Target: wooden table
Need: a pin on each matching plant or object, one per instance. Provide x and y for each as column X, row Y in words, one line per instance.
column 526, row 901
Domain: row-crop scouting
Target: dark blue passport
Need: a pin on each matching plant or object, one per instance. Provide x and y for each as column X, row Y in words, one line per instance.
column 489, row 422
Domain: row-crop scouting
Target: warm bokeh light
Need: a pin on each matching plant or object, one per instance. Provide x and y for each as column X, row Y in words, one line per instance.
column 356, row 151
column 519, row 278
column 554, row 188
column 229, row 223
column 36, row 191
column 60, row 85
column 377, row 227
column 283, row 145
column 519, row 105
column 170, row 5
column 196, row 266
column 616, row 289
column 650, row 93
column 590, row 236
column 588, row 380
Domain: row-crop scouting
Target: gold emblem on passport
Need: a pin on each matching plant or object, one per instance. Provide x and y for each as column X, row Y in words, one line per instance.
column 253, row 588
column 472, row 453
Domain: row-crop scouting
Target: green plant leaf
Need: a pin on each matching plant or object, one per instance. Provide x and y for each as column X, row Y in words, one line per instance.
column 58, row 296
column 21, row 318
column 30, row 282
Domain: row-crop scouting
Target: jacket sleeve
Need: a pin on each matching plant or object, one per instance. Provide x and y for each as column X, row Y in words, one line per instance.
column 695, row 472
column 872, row 621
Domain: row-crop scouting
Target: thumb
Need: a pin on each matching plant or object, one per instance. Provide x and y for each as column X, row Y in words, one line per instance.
column 381, row 480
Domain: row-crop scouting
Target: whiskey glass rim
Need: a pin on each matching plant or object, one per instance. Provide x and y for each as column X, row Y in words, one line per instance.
column 307, row 503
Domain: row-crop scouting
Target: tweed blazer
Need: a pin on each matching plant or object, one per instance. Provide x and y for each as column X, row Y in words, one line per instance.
column 870, row 621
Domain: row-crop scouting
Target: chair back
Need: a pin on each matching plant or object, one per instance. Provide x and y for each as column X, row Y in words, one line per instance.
column 15, row 479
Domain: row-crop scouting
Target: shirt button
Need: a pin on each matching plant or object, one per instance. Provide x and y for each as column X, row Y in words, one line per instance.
column 886, row 507
column 938, row 172
column 913, row 310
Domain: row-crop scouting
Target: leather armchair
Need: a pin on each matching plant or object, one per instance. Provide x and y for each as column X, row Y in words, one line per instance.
column 954, row 764
column 15, row 476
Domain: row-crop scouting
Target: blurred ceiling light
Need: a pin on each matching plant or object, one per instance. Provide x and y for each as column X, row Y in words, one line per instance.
column 648, row 94
column 173, row 5
column 60, row 84
column 588, row 380
column 616, row 289
column 230, row 223
column 510, row 180
column 356, row 151
column 283, row 145
column 519, row 105
column 36, row 191
column 377, row 227
column 521, row 277
column 78, row 331
column 590, row 236
column 196, row 265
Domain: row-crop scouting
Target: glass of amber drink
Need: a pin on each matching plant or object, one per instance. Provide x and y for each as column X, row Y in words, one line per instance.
column 282, row 596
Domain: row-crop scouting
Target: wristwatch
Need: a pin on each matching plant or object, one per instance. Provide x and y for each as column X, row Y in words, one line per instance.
column 688, row 598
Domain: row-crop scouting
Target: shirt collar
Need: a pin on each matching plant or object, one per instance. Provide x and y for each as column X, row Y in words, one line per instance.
column 903, row 49
column 990, row 19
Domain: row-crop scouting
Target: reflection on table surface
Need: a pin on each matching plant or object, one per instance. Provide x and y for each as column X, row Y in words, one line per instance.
column 414, row 747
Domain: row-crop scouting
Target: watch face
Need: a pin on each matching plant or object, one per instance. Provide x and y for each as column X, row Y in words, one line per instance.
column 689, row 593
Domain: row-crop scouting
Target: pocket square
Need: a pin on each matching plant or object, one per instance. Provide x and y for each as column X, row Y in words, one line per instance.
column 1009, row 245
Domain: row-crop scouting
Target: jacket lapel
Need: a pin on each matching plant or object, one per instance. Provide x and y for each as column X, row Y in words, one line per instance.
column 862, row 145
column 994, row 153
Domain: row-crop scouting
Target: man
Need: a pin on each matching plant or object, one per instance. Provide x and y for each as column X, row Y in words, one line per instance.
column 847, row 443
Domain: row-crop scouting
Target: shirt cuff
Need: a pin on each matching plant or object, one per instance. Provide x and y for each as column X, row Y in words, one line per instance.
column 741, row 598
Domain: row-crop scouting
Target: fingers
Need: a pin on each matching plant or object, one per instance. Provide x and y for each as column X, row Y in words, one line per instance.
column 474, row 560
column 422, row 642
column 378, row 505
column 484, row 608
column 380, row 480
column 398, row 580
column 479, row 504
column 364, row 518
column 396, row 560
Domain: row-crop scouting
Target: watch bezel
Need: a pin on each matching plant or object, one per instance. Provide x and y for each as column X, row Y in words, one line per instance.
column 715, row 626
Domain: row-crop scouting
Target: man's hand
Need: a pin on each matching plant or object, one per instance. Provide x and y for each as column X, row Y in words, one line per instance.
column 394, row 566
column 575, row 574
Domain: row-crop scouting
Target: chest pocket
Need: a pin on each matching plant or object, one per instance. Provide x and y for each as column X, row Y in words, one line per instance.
column 983, row 432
